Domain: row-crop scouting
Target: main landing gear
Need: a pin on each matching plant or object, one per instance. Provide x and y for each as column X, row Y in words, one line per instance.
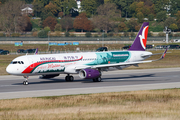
column 97, row 79
column 26, row 81
column 69, row 78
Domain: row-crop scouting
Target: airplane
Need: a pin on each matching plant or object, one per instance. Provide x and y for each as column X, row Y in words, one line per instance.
column 88, row 65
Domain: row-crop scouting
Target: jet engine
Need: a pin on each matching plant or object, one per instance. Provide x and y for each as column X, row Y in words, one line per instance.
column 89, row 73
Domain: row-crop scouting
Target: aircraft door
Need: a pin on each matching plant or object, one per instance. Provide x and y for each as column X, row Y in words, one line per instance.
column 31, row 62
column 134, row 58
column 97, row 60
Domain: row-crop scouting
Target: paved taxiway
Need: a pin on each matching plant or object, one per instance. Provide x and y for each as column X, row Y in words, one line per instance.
column 121, row 80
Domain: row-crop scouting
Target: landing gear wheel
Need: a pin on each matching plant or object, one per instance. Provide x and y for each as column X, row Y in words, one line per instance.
column 69, row 78
column 97, row 79
column 25, row 82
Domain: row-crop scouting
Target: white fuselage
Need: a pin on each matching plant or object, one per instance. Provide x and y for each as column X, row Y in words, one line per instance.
column 68, row 62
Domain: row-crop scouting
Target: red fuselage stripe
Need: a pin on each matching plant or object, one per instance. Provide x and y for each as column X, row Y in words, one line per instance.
column 30, row 68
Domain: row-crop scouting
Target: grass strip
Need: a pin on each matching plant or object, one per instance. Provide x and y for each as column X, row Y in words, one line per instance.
column 136, row 105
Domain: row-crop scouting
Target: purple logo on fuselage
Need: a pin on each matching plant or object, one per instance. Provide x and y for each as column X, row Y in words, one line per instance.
column 70, row 57
column 47, row 58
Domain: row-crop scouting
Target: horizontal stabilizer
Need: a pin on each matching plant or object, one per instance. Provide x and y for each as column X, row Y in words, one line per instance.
column 153, row 54
column 36, row 52
column 163, row 55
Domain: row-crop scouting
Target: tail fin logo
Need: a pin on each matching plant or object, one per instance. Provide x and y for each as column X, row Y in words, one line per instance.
column 139, row 43
column 143, row 37
column 36, row 52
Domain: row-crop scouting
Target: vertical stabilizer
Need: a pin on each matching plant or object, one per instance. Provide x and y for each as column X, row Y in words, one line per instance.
column 141, row 38
column 36, row 52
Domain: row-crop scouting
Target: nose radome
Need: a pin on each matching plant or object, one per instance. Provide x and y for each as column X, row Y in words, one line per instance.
column 13, row 70
column 8, row 69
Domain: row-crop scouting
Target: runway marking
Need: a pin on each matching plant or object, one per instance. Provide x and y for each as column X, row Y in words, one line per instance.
column 8, row 85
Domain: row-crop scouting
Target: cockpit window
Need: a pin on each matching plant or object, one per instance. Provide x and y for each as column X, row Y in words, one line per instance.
column 17, row 62
column 14, row 62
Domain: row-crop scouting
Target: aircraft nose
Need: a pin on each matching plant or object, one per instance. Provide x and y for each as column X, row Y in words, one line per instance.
column 13, row 70
column 8, row 69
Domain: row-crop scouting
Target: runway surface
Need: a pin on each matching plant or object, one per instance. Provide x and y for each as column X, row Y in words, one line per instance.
column 116, row 81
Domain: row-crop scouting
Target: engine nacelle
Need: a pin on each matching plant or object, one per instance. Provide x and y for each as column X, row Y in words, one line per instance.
column 89, row 73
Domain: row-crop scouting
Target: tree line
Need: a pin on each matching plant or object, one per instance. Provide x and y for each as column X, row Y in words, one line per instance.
column 128, row 8
column 94, row 15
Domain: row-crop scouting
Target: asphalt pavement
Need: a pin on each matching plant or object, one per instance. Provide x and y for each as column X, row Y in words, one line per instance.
column 112, row 81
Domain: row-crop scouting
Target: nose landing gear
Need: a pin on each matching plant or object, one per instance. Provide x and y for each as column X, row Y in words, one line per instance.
column 26, row 81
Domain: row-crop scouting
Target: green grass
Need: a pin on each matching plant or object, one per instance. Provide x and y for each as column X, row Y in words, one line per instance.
column 135, row 105
column 44, row 47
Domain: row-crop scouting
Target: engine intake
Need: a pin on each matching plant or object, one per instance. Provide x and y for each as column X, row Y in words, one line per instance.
column 89, row 73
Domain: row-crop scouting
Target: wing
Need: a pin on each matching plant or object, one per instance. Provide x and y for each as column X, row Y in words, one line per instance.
column 120, row 64
column 111, row 65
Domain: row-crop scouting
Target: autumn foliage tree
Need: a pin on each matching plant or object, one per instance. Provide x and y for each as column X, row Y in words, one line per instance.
column 173, row 27
column 88, row 26
column 50, row 22
column 140, row 17
column 29, row 24
column 132, row 23
column 60, row 14
column 82, row 22
column 66, row 23
column 178, row 15
column 51, row 8
column 105, row 14
column 122, row 27
column 144, row 8
column 11, row 19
